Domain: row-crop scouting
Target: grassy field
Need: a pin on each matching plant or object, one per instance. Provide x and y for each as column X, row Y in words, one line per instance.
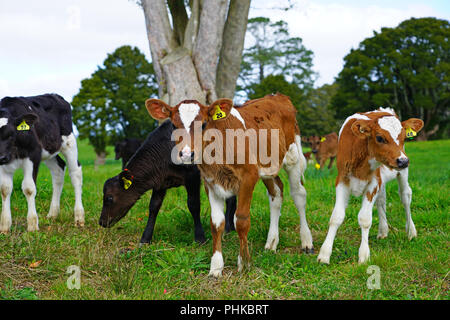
column 34, row 265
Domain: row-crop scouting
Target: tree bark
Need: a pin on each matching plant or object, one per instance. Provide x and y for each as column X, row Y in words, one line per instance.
column 208, row 44
column 177, row 72
column 232, row 48
column 186, row 61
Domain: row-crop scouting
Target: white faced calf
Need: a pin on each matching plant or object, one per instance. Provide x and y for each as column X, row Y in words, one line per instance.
column 370, row 153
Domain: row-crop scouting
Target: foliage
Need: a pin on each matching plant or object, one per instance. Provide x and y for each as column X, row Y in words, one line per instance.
column 314, row 115
column 110, row 104
column 406, row 68
column 274, row 52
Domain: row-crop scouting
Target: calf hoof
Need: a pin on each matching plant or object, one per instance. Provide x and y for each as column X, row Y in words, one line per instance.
column 79, row 223
column 272, row 244
column 215, row 273
column 363, row 256
column 200, row 239
column 323, row 258
column 412, row 233
column 382, row 236
column 308, row 250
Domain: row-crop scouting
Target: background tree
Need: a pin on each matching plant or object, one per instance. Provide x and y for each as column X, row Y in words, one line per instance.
column 406, row 68
column 274, row 52
column 110, row 104
column 314, row 113
column 197, row 53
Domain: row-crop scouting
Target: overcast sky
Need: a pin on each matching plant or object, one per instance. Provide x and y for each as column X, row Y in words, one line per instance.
column 50, row 46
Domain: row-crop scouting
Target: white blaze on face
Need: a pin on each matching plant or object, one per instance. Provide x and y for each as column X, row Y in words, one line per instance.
column 3, row 122
column 188, row 112
column 392, row 125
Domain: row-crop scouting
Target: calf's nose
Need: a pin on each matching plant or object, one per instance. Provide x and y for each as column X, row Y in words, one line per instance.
column 402, row 162
column 3, row 160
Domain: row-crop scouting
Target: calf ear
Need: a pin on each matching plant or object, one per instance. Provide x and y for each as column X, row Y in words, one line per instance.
column 158, row 109
column 361, row 128
column 413, row 123
column 220, row 109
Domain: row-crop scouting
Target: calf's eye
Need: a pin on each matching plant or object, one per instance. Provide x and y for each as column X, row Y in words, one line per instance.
column 109, row 199
column 380, row 139
column 204, row 125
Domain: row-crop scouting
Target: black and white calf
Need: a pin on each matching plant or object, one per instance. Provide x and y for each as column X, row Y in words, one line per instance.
column 35, row 129
column 151, row 167
column 126, row 148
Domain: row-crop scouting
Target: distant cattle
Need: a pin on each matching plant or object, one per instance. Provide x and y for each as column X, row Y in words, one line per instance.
column 151, row 167
column 371, row 152
column 126, row 148
column 35, row 129
column 271, row 115
column 324, row 148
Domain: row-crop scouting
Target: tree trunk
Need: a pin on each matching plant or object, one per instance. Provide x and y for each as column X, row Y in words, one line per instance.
column 424, row 135
column 232, row 48
column 186, row 61
column 100, row 160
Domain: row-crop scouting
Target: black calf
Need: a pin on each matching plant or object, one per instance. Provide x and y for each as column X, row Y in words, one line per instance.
column 151, row 167
column 126, row 148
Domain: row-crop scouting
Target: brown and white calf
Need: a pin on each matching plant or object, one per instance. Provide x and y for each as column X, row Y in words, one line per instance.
column 370, row 153
column 324, row 148
column 272, row 115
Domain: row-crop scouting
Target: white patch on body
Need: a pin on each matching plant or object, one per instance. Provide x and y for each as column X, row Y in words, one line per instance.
column 236, row 113
column 355, row 116
column 392, row 125
column 47, row 155
column 216, row 264
column 188, row 112
column 357, row 186
column 374, row 164
column 3, row 122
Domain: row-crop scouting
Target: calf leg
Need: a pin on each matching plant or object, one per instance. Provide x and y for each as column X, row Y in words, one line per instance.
column 383, row 228
column 217, row 227
column 56, row 166
column 365, row 222
column 242, row 218
column 298, row 193
column 153, row 209
column 229, row 214
column 29, row 190
column 337, row 217
column 405, row 195
column 275, row 193
column 6, row 187
column 70, row 152
column 193, row 202
column 331, row 162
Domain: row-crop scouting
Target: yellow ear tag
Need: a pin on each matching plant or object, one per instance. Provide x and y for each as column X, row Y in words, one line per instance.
column 219, row 114
column 410, row 133
column 23, row 126
column 317, row 166
column 126, row 183
column 323, row 139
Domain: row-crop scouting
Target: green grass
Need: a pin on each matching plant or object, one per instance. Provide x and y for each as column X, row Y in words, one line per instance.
column 174, row 267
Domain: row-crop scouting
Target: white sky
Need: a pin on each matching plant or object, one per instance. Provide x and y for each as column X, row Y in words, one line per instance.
column 50, row 46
